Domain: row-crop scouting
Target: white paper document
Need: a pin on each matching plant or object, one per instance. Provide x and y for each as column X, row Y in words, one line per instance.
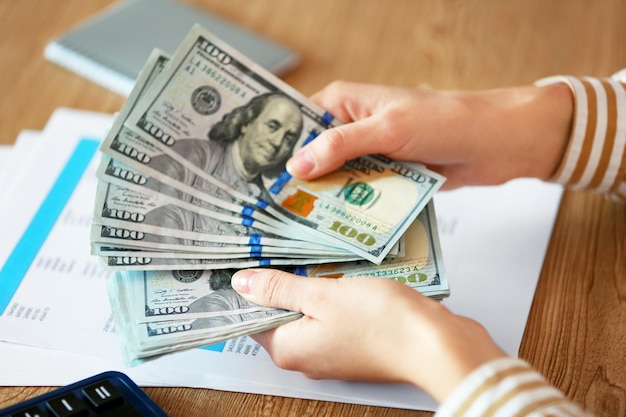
column 55, row 319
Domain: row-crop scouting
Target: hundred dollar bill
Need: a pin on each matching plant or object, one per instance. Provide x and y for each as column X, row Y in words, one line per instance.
column 236, row 251
column 157, row 60
column 420, row 267
column 116, row 172
column 123, row 144
column 369, row 203
column 126, row 204
column 132, row 163
column 121, row 235
column 112, row 251
column 141, row 340
column 219, row 253
column 131, row 262
column 169, row 224
column 141, row 299
column 183, row 295
column 222, row 122
column 119, row 202
column 107, row 240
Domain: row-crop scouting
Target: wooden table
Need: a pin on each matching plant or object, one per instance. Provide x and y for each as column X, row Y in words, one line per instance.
column 576, row 332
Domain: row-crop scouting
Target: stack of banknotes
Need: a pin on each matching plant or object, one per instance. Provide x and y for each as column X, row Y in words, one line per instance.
column 193, row 187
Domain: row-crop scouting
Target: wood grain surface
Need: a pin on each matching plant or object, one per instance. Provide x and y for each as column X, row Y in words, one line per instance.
column 576, row 332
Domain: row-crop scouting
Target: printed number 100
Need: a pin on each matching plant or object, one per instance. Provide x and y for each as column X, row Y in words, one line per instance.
column 351, row 233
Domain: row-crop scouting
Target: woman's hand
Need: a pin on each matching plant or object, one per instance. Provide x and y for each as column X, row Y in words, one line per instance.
column 473, row 137
column 368, row 329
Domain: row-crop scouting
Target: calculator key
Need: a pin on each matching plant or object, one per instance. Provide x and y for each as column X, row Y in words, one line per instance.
column 125, row 410
column 31, row 412
column 103, row 395
column 68, row 406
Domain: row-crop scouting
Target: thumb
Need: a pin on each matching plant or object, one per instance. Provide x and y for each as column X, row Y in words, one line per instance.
column 270, row 288
column 333, row 147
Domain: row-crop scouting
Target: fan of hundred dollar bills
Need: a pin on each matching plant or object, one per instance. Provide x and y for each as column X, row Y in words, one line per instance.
column 192, row 187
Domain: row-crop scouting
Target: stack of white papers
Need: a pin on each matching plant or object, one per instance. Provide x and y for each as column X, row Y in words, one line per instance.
column 55, row 319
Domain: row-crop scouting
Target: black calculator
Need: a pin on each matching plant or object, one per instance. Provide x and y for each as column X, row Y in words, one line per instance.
column 107, row 394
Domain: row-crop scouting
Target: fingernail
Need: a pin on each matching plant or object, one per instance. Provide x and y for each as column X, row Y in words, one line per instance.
column 242, row 281
column 301, row 163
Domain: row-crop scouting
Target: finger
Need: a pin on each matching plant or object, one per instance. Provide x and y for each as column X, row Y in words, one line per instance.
column 290, row 345
column 275, row 288
column 348, row 101
column 333, row 147
column 359, row 106
column 265, row 339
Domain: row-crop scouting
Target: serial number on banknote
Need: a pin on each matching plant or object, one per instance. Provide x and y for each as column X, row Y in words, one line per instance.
column 395, row 271
column 196, row 64
column 407, row 274
column 340, row 211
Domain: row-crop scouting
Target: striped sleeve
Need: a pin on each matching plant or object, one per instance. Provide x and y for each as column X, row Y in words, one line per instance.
column 507, row 387
column 595, row 159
